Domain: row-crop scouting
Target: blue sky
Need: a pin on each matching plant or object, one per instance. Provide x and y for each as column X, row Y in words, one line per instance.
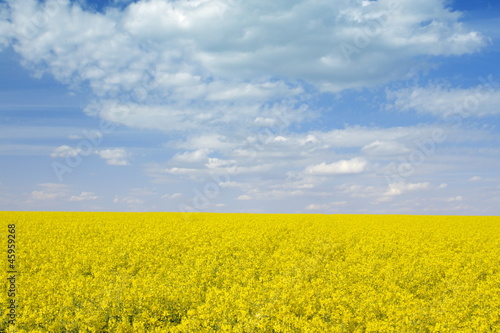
column 387, row 107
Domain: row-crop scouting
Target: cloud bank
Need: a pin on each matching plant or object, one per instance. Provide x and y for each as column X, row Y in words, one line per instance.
column 179, row 65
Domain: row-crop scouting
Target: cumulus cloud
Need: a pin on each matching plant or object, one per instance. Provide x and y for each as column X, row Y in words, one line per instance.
column 117, row 156
column 251, row 73
column 192, row 156
column 401, row 187
column 64, row 151
column 355, row 165
column 304, row 160
column 280, row 138
column 176, row 65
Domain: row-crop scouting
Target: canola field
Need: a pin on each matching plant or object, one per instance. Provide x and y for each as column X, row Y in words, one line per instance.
column 175, row 272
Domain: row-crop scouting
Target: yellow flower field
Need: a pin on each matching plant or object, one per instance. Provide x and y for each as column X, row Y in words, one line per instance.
column 174, row 272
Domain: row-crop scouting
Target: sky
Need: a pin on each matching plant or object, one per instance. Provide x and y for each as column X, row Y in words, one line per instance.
column 296, row 106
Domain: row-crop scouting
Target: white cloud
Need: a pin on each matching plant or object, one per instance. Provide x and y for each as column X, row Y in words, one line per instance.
column 53, row 186
column 220, row 72
column 355, row 165
column 280, row 138
column 401, row 187
column 317, row 207
column 117, row 156
column 215, row 163
column 41, row 195
column 305, row 162
column 383, row 148
column 179, row 65
column 180, row 171
column 455, row 199
column 198, row 155
column 84, row 196
column 309, row 139
column 359, row 191
column 474, row 179
column 444, row 101
column 244, row 197
column 64, row 151
column 264, row 122
column 278, row 169
column 129, row 200
column 50, row 191
column 327, row 206
column 172, row 196
column 362, row 136
column 212, row 142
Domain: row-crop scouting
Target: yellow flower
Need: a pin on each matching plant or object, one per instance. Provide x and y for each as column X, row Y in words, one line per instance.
column 160, row 272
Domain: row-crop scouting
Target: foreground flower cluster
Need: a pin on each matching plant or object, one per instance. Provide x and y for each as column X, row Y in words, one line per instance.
column 166, row 272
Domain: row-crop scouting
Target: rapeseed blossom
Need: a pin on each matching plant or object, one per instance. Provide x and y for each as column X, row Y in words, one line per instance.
column 162, row 272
